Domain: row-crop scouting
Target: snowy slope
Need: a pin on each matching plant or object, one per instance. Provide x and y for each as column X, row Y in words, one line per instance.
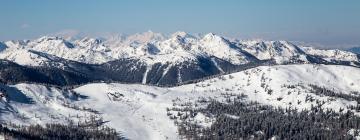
column 24, row 57
column 257, row 82
column 85, row 50
column 139, row 111
column 15, row 51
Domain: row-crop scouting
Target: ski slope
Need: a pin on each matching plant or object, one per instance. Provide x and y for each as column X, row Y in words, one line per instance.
column 139, row 111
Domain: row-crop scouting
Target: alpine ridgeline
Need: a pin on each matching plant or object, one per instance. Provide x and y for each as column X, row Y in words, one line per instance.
column 149, row 58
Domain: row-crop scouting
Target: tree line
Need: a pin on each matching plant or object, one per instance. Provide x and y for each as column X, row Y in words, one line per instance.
column 255, row 121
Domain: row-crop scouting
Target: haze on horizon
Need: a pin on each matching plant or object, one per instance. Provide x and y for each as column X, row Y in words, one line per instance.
column 332, row 23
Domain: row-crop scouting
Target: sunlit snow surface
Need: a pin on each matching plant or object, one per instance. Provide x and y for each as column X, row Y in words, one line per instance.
column 139, row 111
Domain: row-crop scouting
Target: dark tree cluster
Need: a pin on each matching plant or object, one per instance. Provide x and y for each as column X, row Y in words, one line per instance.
column 322, row 91
column 353, row 96
column 254, row 121
column 60, row 132
column 62, row 72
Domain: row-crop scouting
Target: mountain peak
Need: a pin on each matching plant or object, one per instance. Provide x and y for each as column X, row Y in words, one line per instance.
column 215, row 40
column 209, row 36
column 51, row 41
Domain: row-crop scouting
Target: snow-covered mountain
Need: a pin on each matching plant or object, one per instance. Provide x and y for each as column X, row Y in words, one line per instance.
column 153, row 58
column 142, row 112
column 150, row 48
column 281, row 51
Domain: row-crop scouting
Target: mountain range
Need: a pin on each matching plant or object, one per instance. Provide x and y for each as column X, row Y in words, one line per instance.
column 181, row 86
column 150, row 58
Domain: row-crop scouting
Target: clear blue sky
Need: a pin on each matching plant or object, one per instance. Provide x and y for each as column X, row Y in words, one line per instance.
column 330, row 22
